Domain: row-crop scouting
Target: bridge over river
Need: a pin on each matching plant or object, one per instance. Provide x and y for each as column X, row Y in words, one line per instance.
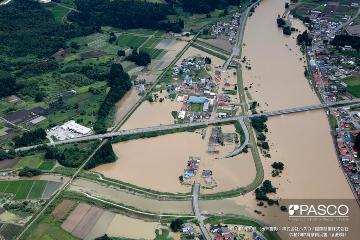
column 194, row 124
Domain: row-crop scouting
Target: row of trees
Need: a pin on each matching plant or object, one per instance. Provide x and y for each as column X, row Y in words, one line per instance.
column 30, row 138
column 29, row 172
column 124, row 14
column 119, row 83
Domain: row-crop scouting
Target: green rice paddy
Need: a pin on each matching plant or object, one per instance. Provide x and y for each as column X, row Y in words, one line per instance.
column 24, row 189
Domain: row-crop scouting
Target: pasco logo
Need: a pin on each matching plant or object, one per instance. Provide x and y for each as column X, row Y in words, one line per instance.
column 293, row 208
column 321, row 210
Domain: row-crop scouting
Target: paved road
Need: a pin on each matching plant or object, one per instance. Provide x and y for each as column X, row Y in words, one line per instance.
column 238, row 150
column 196, row 209
column 240, row 34
column 191, row 125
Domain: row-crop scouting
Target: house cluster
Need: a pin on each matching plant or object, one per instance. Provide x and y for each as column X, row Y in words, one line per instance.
column 209, row 181
column 348, row 129
column 216, row 139
column 329, row 68
column 198, row 91
column 68, row 130
column 227, row 29
column 191, row 168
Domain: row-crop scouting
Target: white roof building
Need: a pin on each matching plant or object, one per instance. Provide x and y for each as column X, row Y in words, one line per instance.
column 74, row 127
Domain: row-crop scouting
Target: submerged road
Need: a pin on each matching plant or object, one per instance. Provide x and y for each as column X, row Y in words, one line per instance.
column 192, row 125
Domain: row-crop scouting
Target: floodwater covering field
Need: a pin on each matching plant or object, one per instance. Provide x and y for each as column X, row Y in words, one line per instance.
column 89, row 222
column 156, row 163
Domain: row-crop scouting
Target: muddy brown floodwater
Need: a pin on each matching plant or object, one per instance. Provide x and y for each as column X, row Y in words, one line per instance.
column 156, row 163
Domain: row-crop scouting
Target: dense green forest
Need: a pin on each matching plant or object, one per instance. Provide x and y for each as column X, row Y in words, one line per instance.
column 205, row 6
column 125, row 14
column 71, row 156
column 29, row 138
column 26, row 28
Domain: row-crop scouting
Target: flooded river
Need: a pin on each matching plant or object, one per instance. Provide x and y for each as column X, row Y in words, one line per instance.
column 301, row 141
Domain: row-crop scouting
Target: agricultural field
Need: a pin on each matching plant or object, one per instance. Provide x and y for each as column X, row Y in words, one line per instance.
column 31, row 161
column 129, row 40
column 10, row 231
column 28, row 189
column 154, row 52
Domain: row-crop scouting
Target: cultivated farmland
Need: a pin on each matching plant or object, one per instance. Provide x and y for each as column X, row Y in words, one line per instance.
column 29, row 189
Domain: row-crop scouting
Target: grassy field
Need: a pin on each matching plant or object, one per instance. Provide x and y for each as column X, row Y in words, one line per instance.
column 129, row 40
column 49, row 229
column 47, row 165
column 152, row 42
column 32, row 161
column 353, row 85
column 154, row 52
column 24, row 189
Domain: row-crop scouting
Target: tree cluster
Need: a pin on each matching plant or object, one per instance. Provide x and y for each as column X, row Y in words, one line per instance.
column 176, row 224
column 346, row 40
column 30, row 138
column 259, row 123
column 7, row 155
column 24, row 206
column 29, row 172
column 140, row 58
column 69, row 157
column 304, row 39
column 261, row 192
column 278, row 165
column 104, row 155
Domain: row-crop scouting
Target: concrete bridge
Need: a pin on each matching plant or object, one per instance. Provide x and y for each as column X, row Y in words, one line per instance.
column 196, row 209
column 194, row 124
